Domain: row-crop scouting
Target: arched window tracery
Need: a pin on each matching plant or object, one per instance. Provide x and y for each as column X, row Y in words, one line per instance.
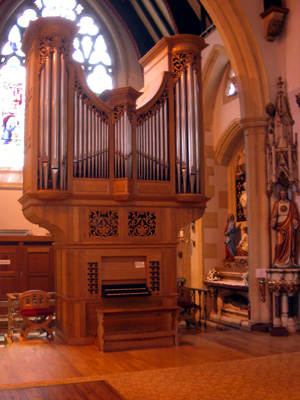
column 231, row 88
column 90, row 50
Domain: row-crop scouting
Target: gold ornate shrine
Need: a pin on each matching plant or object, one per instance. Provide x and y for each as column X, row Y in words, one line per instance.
column 113, row 182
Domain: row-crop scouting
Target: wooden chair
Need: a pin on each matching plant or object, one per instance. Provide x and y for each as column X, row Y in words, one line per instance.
column 188, row 308
column 36, row 312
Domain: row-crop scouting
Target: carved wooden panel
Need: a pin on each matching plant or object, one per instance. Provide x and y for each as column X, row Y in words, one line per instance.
column 142, row 224
column 103, row 224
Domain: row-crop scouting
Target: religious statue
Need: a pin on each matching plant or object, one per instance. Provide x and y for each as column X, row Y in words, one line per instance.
column 230, row 229
column 243, row 200
column 242, row 247
column 285, row 221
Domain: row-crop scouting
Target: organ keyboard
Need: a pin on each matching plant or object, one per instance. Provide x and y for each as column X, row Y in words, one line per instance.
column 125, row 290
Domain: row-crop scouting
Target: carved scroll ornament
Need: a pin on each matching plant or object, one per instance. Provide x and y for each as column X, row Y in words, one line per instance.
column 181, row 60
column 47, row 46
column 104, row 223
column 141, row 224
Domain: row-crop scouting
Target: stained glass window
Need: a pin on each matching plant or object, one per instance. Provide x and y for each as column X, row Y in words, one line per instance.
column 90, row 50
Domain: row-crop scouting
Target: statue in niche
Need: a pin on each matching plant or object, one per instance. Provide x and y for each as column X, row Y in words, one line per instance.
column 242, row 247
column 285, row 221
column 230, row 246
column 243, row 200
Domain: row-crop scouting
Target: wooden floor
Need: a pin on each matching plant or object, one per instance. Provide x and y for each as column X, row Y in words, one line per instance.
column 99, row 390
column 40, row 360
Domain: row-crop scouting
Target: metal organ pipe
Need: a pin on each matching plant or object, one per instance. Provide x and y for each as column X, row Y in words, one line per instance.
column 149, row 149
column 63, row 125
column 85, row 139
column 128, row 146
column 153, row 145
column 80, row 138
column 161, row 142
column 46, row 127
column 41, row 127
column 157, row 132
column 55, row 119
column 52, row 137
column 197, row 133
column 187, row 132
column 89, row 142
column 138, row 151
column 122, row 145
column 184, row 156
column 76, row 135
column 178, row 136
column 191, row 129
column 166, row 141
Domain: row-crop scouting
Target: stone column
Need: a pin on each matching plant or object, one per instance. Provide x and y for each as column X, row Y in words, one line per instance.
column 258, row 213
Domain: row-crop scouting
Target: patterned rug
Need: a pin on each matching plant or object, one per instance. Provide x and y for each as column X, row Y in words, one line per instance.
column 264, row 378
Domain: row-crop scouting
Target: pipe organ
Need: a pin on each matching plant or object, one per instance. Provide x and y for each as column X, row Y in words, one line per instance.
column 52, row 139
column 113, row 178
column 91, row 138
column 153, row 142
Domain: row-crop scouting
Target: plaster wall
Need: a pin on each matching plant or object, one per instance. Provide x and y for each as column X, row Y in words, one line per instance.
column 11, row 215
column 211, row 40
column 225, row 111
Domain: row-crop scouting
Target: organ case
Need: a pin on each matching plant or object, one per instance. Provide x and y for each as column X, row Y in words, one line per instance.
column 113, row 178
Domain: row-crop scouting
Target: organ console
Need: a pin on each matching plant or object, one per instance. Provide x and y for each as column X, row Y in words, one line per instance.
column 113, row 178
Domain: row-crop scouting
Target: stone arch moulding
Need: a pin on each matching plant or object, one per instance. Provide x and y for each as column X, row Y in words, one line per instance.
column 244, row 55
column 212, row 76
column 230, row 140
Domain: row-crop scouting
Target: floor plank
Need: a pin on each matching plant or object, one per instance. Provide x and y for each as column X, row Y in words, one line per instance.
column 40, row 359
column 99, row 390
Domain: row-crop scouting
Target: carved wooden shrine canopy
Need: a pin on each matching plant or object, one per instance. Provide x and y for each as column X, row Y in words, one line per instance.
column 111, row 181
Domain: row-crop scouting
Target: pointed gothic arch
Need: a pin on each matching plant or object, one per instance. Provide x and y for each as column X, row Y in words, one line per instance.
column 244, row 54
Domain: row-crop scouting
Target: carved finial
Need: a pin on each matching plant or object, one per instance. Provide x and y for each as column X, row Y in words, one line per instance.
column 282, row 153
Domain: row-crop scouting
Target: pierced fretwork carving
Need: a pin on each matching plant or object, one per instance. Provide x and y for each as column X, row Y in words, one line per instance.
column 153, row 110
column 119, row 111
column 141, row 223
column 92, row 277
column 86, row 100
column 181, row 60
column 104, row 223
column 47, row 46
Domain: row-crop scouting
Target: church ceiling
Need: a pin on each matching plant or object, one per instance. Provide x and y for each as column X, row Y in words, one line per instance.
column 147, row 21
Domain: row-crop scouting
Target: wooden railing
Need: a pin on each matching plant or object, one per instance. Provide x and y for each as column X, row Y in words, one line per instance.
column 199, row 296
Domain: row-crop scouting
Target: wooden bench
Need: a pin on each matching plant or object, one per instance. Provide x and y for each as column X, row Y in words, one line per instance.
column 132, row 328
